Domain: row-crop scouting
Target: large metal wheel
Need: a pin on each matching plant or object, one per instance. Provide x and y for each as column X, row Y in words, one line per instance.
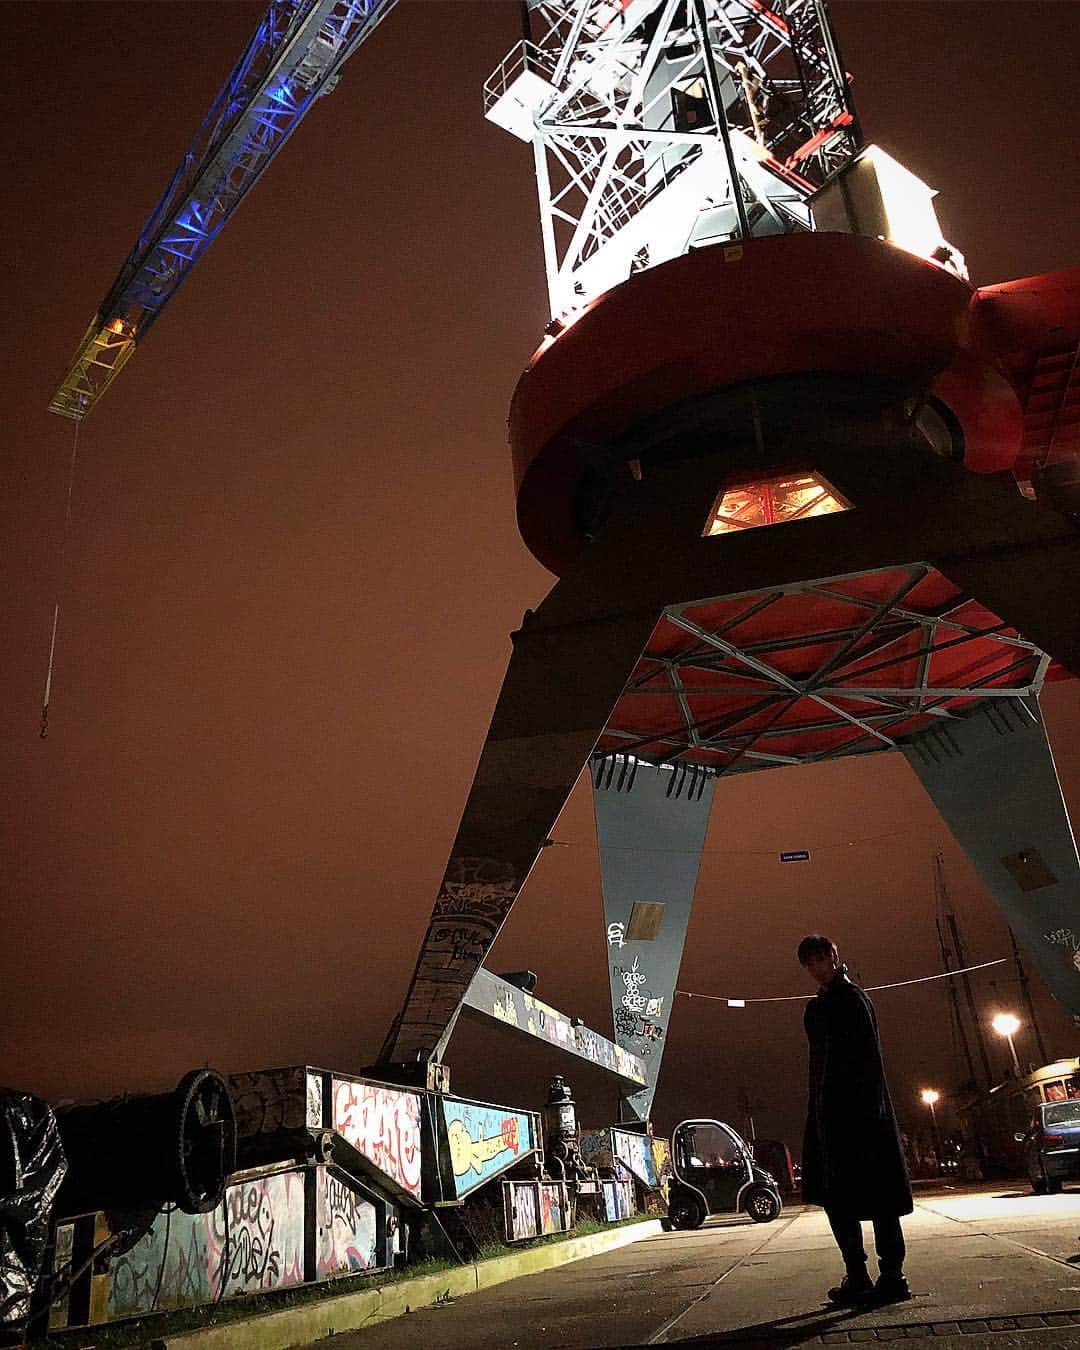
column 205, row 1140
column 763, row 1205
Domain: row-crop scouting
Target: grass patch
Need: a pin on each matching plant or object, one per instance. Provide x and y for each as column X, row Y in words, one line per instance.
column 145, row 1331
column 583, row 1228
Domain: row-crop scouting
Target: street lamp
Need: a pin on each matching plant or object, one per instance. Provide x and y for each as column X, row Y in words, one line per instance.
column 1007, row 1025
column 931, row 1097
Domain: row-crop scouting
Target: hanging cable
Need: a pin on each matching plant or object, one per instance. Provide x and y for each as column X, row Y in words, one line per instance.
column 870, row 988
column 44, row 731
column 753, row 852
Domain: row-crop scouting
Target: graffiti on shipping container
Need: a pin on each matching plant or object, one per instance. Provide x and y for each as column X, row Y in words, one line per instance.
column 661, row 1156
column 533, row 1208
column 634, row 1153
column 253, row 1241
column 383, row 1124
column 553, row 1216
column 596, row 1148
column 618, row 1200
column 483, row 1141
column 268, row 1101
column 347, row 1231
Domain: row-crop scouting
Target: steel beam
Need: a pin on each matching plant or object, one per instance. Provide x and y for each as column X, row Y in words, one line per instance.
column 992, row 777
column 650, row 852
column 493, row 1000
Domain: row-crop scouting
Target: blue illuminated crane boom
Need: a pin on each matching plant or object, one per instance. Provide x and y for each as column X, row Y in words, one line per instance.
column 295, row 55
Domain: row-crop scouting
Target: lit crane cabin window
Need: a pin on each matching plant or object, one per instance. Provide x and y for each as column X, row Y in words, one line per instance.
column 773, row 501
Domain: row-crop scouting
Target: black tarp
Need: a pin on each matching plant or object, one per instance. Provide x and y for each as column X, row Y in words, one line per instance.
column 32, row 1166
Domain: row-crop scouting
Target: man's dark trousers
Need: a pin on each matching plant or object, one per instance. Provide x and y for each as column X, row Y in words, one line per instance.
column 888, row 1239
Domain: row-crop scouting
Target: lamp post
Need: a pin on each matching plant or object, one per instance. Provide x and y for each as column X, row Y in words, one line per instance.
column 931, row 1097
column 1007, row 1025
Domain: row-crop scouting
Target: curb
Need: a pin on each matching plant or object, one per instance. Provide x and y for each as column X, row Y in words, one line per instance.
column 349, row 1312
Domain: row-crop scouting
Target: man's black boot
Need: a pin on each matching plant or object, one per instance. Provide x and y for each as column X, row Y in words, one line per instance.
column 892, row 1288
column 852, row 1289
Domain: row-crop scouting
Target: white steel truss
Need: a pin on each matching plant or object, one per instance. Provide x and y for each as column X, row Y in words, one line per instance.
column 663, row 125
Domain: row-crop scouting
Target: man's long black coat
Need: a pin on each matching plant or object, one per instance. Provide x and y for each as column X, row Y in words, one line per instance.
column 852, row 1159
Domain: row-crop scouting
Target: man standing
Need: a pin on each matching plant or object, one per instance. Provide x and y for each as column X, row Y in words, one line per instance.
column 853, row 1163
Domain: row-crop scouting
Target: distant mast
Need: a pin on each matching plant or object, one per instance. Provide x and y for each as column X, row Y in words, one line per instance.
column 946, row 913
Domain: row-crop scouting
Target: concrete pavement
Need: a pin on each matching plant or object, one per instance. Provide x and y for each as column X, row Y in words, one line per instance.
column 991, row 1265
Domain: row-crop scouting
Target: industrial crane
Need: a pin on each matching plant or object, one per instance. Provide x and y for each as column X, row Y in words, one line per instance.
column 755, row 322
column 632, row 167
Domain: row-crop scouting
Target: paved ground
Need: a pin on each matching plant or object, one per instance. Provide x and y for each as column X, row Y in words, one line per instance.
column 990, row 1266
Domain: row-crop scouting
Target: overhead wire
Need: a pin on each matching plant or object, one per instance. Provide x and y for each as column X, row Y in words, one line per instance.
column 751, row 852
column 870, row 988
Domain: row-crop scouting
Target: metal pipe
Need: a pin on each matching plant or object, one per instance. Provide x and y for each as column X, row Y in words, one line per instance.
column 713, row 81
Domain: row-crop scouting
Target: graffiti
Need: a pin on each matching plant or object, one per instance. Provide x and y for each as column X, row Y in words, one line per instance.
column 1065, row 937
column 596, row 1147
column 269, row 1101
column 632, row 980
column 616, row 935
column 253, row 1241
column 553, row 1215
column 134, row 1276
column 646, row 1030
column 661, row 1156
column 533, row 1208
column 383, row 1124
column 467, row 1153
column 507, row 1004
column 634, row 1013
column 463, row 942
column 618, row 1200
column 505, row 1009
column 475, row 897
column 634, row 1153
column 598, row 1050
column 347, row 1229
column 522, row 1214
column 169, row 1267
column 257, row 1236
column 483, row 1141
column 314, row 1101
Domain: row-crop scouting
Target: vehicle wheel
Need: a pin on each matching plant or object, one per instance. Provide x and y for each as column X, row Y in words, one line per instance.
column 687, row 1213
column 762, row 1205
column 1052, row 1187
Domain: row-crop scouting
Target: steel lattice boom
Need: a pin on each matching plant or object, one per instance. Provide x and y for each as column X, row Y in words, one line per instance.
column 663, row 125
column 295, row 56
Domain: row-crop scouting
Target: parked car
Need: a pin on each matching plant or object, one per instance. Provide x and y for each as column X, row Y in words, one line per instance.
column 715, row 1173
column 1052, row 1146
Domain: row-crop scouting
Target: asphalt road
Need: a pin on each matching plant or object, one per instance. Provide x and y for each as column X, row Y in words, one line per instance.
column 988, row 1265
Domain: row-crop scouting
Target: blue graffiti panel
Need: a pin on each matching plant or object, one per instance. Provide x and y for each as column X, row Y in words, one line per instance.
column 483, row 1141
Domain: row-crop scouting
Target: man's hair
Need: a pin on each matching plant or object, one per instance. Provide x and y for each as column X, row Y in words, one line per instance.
column 816, row 945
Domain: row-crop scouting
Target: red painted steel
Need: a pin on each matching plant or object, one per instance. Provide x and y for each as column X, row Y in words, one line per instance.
column 1003, row 359
column 798, row 634
column 784, row 305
